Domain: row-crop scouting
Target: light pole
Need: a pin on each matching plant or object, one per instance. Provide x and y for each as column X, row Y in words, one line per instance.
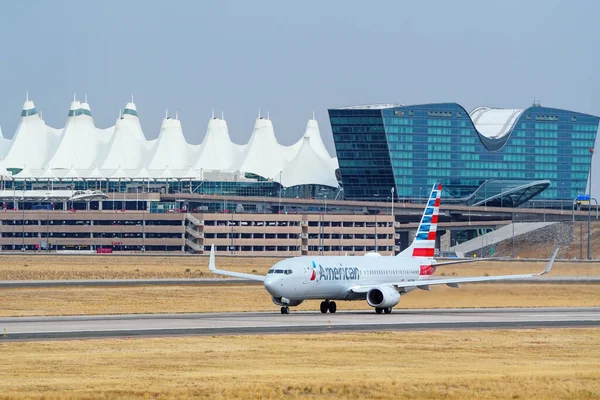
column 392, row 203
column 280, row 187
column 375, row 233
column 48, row 222
column 23, row 224
column 512, row 197
column 144, row 224
column 562, row 193
column 404, row 191
column 589, row 249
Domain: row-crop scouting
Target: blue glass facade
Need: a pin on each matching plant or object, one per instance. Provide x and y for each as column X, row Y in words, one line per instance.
column 408, row 148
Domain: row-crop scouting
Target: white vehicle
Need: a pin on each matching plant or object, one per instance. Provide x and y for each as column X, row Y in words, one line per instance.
column 379, row 280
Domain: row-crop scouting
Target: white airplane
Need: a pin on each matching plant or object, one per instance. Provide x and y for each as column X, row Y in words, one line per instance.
column 379, row 280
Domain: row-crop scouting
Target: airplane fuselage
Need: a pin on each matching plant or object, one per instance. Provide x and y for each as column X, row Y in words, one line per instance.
column 331, row 277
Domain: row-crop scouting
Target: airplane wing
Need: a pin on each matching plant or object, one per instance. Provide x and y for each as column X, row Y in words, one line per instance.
column 213, row 268
column 441, row 264
column 453, row 282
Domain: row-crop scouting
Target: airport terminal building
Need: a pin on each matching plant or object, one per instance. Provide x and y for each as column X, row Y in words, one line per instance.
column 490, row 156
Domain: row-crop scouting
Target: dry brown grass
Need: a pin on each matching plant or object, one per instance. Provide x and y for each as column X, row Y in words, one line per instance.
column 214, row 298
column 519, row 364
column 17, row 267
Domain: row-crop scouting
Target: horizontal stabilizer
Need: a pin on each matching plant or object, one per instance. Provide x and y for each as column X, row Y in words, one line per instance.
column 213, row 268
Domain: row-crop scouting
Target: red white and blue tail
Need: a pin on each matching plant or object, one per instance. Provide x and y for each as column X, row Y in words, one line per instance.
column 424, row 244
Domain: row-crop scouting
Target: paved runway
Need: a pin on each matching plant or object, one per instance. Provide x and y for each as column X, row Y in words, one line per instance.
column 77, row 327
column 229, row 281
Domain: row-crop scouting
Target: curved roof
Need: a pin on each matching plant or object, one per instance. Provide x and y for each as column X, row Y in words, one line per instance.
column 307, row 168
column 498, row 193
column 494, row 123
column 374, row 106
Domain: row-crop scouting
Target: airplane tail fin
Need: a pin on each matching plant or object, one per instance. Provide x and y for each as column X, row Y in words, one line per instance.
column 423, row 246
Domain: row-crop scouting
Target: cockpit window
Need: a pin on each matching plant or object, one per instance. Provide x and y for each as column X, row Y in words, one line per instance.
column 288, row 271
column 271, row 271
column 279, row 271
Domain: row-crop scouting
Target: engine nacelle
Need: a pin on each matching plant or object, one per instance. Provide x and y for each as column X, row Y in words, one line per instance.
column 383, row 296
column 282, row 301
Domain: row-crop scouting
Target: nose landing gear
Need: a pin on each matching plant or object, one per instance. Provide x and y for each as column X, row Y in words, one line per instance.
column 285, row 310
column 328, row 306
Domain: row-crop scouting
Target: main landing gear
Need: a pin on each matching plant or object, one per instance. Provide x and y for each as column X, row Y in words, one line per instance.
column 328, row 306
column 285, row 310
column 387, row 310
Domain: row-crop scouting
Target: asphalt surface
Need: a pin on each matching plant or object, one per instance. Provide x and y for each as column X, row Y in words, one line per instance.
column 126, row 282
column 112, row 326
column 227, row 281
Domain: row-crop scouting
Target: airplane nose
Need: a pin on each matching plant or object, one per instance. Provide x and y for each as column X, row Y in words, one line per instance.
column 270, row 284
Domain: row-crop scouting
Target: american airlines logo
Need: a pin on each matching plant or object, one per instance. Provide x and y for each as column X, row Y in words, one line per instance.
column 338, row 274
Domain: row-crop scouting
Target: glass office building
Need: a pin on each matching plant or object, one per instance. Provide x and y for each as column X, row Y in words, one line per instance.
column 489, row 156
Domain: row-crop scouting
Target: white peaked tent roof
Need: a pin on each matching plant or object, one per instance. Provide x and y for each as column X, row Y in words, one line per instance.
column 34, row 142
column 217, row 152
column 130, row 114
column 171, row 148
column 143, row 174
column 25, row 174
column 80, row 144
column 192, row 173
column 72, row 174
column 96, row 175
column 334, row 163
column 128, row 146
column 165, row 174
column 48, row 174
column 4, row 144
column 81, row 150
column 119, row 174
column 4, row 173
column 313, row 132
column 316, row 141
column 307, row 168
column 263, row 155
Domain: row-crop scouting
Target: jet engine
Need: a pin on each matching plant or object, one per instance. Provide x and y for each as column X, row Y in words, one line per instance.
column 383, row 296
column 282, row 301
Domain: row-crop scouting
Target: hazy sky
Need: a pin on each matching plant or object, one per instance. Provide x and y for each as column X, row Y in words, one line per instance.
column 292, row 58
